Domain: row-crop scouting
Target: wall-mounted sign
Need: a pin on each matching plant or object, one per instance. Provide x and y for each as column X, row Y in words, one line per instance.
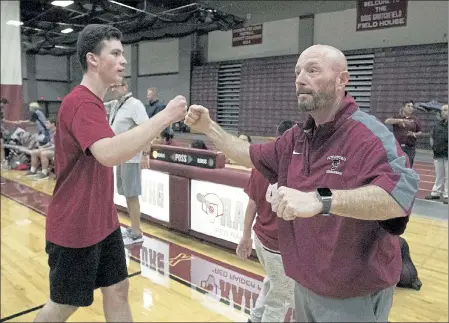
column 217, row 210
column 155, row 198
column 249, row 35
column 378, row 14
column 192, row 158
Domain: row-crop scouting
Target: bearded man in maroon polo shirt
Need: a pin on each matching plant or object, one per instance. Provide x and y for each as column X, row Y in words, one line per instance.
column 346, row 191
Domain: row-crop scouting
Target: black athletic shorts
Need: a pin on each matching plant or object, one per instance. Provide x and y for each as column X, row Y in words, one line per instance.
column 76, row 272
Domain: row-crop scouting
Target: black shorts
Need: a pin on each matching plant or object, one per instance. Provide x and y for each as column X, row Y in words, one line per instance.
column 76, row 272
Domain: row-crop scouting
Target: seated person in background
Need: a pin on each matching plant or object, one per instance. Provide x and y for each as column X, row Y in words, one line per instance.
column 43, row 154
column 38, row 118
column 198, row 144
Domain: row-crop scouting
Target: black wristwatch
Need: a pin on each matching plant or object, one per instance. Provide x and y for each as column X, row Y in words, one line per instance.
column 325, row 196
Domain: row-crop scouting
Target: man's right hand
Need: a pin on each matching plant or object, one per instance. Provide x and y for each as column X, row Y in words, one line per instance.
column 198, row 118
column 244, row 248
column 176, row 109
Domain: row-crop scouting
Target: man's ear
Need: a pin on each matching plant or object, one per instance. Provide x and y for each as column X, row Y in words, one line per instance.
column 342, row 80
column 92, row 59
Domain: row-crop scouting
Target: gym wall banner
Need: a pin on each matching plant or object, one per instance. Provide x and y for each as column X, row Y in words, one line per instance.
column 217, row 210
column 379, row 14
column 249, row 35
column 154, row 256
column 155, row 197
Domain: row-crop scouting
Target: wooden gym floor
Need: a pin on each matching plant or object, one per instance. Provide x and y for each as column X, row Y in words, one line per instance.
column 177, row 278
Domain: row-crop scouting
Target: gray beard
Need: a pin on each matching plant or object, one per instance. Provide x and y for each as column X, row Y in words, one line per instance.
column 319, row 101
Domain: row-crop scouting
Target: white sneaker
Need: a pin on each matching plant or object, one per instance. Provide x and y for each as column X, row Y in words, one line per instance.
column 126, row 232
column 129, row 240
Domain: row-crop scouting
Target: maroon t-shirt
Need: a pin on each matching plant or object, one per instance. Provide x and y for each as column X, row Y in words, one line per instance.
column 82, row 211
column 401, row 132
column 266, row 220
column 336, row 256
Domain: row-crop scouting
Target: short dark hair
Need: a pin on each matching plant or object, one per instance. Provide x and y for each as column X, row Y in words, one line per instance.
column 198, row 144
column 90, row 40
column 250, row 140
column 408, row 101
column 284, row 126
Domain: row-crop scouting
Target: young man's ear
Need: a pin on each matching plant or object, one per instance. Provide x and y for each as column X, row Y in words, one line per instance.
column 92, row 59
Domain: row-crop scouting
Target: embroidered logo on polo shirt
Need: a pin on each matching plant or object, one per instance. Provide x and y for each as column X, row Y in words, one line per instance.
column 336, row 162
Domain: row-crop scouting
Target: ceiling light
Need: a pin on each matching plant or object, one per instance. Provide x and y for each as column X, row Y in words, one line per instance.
column 62, row 3
column 14, row 23
column 67, row 30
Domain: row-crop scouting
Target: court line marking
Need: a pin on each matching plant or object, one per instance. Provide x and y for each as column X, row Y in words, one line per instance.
column 30, row 310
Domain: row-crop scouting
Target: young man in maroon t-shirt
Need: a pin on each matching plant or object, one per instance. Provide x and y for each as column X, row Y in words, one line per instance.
column 84, row 243
column 276, row 296
column 346, row 191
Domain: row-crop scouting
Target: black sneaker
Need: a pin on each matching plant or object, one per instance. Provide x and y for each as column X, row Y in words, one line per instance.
column 432, row 197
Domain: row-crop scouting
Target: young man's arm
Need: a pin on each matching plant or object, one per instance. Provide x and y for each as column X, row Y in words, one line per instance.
column 245, row 247
column 109, row 150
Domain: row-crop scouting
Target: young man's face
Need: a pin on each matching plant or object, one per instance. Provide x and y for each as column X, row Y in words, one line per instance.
column 50, row 125
column 110, row 62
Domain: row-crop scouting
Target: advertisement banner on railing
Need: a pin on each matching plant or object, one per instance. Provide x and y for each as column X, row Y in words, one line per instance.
column 155, row 198
column 217, row 210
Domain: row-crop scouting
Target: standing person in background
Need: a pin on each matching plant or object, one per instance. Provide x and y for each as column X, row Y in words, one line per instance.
column 406, row 128
column 126, row 113
column 439, row 144
column 3, row 103
column 155, row 105
column 276, row 296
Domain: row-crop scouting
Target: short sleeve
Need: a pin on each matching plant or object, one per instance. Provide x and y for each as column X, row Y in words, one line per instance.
column 34, row 116
column 90, row 124
column 251, row 187
column 266, row 157
column 418, row 125
column 385, row 165
column 139, row 114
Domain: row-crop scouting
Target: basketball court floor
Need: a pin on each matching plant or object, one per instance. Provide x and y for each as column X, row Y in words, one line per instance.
column 176, row 278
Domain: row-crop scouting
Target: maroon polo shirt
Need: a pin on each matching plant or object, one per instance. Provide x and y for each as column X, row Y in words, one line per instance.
column 336, row 256
column 266, row 220
column 401, row 132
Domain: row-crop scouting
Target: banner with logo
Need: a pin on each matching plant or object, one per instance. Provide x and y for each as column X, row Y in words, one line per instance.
column 155, row 198
column 217, row 210
column 220, row 283
column 378, row 14
column 154, row 256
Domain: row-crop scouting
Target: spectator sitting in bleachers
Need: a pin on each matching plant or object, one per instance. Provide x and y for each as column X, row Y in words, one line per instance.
column 44, row 154
column 38, row 118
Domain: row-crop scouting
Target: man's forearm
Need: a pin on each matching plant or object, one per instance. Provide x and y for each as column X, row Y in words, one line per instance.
column 250, row 214
column 366, row 203
column 233, row 147
column 392, row 121
column 118, row 149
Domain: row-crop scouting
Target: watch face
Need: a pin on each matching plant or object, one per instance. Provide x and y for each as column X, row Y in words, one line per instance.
column 324, row 192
